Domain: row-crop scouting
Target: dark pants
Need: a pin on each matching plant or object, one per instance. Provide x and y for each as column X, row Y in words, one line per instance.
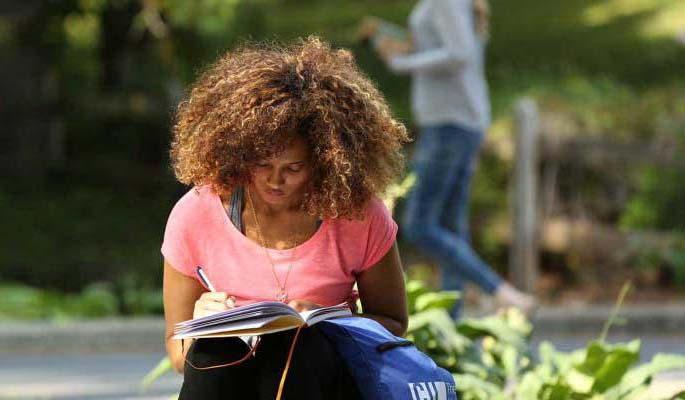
column 316, row 369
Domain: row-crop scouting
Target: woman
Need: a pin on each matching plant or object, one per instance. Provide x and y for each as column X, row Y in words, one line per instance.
column 451, row 107
column 286, row 149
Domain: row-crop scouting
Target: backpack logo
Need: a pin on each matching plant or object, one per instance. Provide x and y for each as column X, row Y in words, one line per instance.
column 428, row 390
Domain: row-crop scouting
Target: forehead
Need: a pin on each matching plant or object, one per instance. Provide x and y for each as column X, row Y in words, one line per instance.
column 295, row 150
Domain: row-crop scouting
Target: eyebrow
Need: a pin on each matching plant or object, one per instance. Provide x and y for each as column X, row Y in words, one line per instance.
column 289, row 162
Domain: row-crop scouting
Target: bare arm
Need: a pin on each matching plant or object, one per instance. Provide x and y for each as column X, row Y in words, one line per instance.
column 457, row 41
column 382, row 293
column 180, row 293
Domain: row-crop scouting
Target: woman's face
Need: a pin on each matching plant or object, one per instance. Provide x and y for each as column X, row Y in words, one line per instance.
column 282, row 179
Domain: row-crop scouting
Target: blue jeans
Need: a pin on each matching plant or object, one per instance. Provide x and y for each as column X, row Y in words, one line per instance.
column 435, row 218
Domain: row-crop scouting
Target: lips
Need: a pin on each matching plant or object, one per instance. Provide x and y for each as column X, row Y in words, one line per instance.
column 275, row 193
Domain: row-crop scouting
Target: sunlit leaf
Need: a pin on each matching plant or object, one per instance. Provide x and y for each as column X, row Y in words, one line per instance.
column 162, row 367
column 442, row 300
column 638, row 376
column 475, row 388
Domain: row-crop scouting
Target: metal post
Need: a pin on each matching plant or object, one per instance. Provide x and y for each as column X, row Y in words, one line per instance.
column 523, row 257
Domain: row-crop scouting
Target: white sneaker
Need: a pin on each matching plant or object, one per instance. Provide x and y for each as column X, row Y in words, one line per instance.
column 507, row 295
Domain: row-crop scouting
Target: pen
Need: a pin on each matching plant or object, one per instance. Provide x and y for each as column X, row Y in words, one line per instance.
column 249, row 340
column 207, row 283
column 204, row 279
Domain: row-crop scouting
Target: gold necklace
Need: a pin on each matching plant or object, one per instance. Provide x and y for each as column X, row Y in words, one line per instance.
column 282, row 294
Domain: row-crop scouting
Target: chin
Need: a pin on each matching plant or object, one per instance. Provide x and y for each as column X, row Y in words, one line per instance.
column 274, row 198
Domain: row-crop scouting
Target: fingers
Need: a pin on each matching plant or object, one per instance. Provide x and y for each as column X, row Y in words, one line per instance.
column 213, row 302
column 214, row 306
column 294, row 304
column 214, row 296
column 303, row 305
column 201, row 313
column 219, row 297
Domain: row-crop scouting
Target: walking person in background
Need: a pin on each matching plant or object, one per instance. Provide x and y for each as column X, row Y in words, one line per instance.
column 450, row 103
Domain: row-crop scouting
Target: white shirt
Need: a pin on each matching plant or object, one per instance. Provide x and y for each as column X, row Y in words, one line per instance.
column 447, row 66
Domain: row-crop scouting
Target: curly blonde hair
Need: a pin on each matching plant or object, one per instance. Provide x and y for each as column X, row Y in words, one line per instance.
column 246, row 106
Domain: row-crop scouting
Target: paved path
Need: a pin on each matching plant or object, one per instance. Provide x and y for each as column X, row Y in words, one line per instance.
column 82, row 376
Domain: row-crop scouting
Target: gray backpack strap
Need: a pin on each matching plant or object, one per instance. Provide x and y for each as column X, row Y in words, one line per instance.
column 235, row 209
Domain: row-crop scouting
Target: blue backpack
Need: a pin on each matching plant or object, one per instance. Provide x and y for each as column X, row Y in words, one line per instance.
column 385, row 366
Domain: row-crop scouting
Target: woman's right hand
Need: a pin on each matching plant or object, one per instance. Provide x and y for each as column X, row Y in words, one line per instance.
column 211, row 303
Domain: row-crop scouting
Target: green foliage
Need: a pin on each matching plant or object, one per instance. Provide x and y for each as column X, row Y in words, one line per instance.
column 64, row 241
column 599, row 371
column 485, row 353
column 442, row 300
column 96, row 300
column 657, row 203
column 160, row 369
column 137, row 298
column 491, row 358
column 23, row 302
column 559, row 35
column 207, row 17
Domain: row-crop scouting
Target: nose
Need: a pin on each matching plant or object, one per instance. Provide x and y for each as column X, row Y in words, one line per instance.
column 275, row 178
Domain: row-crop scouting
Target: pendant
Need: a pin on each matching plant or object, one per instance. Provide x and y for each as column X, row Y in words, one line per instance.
column 282, row 296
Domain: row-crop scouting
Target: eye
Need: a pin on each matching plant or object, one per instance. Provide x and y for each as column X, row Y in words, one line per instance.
column 294, row 169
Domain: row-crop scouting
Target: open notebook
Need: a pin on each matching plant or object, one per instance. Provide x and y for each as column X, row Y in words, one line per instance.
column 255, row 319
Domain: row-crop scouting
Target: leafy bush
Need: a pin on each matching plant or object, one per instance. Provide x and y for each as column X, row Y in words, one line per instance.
column 94, row 301
column 24, row 302
column 67, row 239
column 657, row 203
column 490, row 357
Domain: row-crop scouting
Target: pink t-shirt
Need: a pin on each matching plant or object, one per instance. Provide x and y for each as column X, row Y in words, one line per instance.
column 200, row 233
